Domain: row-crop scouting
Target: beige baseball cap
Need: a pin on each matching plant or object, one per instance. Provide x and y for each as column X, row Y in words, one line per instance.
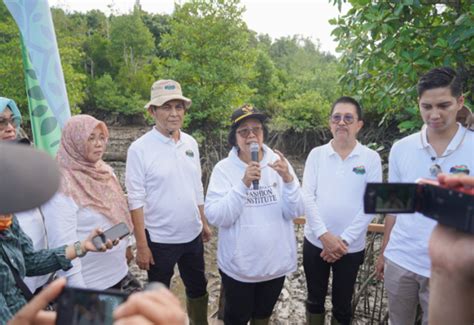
column 163, row 91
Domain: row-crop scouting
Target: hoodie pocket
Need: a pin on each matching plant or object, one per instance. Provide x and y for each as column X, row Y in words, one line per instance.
column 263, row 251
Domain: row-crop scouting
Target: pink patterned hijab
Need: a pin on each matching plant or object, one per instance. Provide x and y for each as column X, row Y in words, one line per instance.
column 91, row 185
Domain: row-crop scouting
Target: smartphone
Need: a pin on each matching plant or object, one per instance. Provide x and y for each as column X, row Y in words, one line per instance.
column 118, row 231
column 87, row 306
column 390, row 198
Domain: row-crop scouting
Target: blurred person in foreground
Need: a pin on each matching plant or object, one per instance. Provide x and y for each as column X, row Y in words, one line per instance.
column 452, row 268
column 257, row 246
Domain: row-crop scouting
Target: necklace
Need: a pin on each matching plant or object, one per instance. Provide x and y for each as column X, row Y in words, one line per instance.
column 436, row 169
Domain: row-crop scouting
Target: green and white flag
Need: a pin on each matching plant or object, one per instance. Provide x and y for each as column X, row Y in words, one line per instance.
column 46, row 90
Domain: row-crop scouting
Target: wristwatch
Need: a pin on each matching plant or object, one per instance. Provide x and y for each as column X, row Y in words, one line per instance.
column 78, row 249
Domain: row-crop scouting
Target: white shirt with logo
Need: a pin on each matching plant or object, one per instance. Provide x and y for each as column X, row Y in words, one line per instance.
column 409, row 160
column 256, row 236
column 334, row 189
column 164, row 178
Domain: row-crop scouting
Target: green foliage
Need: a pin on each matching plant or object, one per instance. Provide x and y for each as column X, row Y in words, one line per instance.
column 387, row 45
column 304, row 112
column 12, row 84
column 131, row 42
column 109, row 97
column 110, row 62
column 210, row 55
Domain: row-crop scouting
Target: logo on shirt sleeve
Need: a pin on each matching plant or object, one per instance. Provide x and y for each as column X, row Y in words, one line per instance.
column 459, row 169
column 189, row 153
column 359, row 170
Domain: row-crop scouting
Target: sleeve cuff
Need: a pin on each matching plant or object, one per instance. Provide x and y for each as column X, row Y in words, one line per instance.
column 241, row 188
column 321, row 231
column 291, row 186
column 346, row 239
column 134, row 204
column 63, row 262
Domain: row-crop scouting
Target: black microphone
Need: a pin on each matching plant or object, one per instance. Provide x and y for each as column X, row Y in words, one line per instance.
column 254, row 148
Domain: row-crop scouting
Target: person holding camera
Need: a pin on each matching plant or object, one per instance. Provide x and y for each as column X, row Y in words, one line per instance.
column 334, row 181
column 253, row 197
column 442, row 145
column 452, row 267
column 90, row 196
column 31, row 221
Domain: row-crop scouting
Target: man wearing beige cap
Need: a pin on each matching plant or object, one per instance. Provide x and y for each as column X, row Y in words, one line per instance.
column 165, row 194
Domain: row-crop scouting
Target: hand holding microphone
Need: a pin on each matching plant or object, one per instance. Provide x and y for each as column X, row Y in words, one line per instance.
column 252, row 173
column 254, row 148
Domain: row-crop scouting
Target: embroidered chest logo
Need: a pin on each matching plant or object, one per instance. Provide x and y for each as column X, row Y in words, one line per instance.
column 189, row 153
column 263, row 196
column 459, row 169
column 359, row 170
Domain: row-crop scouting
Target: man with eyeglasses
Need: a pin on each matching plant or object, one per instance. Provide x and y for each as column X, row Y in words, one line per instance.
column 442, row 145
column 334, row 181
column 165, row 194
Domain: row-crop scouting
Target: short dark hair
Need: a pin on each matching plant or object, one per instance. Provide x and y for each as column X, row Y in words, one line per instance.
column 348, row 100
column 440, row 78
column 232, row 136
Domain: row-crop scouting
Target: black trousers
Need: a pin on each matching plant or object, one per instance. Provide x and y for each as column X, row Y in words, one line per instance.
column 244, row 300
column 190, row 259
column 344, row 273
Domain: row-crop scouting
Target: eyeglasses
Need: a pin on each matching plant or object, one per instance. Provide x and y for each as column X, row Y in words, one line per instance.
column 14, row 121
column 245, row 132
column 347, row 118
column 168, row 108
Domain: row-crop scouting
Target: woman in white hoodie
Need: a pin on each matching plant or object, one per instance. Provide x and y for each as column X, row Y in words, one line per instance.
column 253, row 202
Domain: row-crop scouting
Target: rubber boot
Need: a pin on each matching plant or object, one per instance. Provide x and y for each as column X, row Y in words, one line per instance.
column 197, row 310
column 263, row 321
column 315, row 319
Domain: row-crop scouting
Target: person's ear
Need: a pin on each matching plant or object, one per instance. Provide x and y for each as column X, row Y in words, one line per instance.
column 460, row 102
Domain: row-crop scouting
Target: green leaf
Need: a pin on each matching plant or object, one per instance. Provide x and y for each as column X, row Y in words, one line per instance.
column 39, row 110
column 31, row 73
column 55, row 143
column 35, row 92
column 48, row 125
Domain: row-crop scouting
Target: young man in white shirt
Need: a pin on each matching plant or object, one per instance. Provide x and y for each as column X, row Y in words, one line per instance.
column 334, row 182
column 442, row 145
column 165, row 194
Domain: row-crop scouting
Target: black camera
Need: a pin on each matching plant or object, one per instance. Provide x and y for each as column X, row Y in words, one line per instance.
column 450, row 207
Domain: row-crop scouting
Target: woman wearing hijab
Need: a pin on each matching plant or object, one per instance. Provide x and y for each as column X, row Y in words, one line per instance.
column 10, row 119
column 90, row 196
column 253, row 197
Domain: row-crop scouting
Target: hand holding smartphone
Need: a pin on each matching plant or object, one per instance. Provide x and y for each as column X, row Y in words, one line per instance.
column 87, row 306
column 118, row 231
